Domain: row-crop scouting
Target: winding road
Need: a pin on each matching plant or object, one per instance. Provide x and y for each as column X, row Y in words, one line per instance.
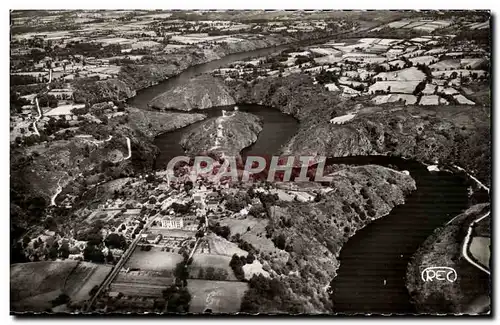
column 468, row 237
column 129, row 149
column 467, row 242
column 59, row 190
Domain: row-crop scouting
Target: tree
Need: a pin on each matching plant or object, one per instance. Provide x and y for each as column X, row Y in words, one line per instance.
column 115, row 241
column 177, row 298
column 280, row 241
column 60, row 300
column 93, row 254
column 93, row 291
column 64, row 251
column 250, row 258
column 110, row 258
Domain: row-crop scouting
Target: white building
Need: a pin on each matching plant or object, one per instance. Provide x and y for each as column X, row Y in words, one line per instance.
column 172, row 222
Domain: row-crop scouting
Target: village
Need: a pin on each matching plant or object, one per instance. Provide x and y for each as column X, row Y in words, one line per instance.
column 425, row 70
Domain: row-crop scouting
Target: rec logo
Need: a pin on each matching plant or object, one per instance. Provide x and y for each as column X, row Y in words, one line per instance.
column 439, row 273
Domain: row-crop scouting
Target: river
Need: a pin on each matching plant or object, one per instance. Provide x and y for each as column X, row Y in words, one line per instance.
column 269, row 141
column 378, row 252
column 381, row 251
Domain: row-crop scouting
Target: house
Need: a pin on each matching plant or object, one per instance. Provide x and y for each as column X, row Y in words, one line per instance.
column 212, row 200
column 172, row 222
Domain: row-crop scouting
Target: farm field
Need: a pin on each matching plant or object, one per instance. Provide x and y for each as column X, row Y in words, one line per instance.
column 172, row 232
column 43, row 277
column 480, row 250
column 49, row 279
column 93, row 275
column 464, row 72
column 219, row 296
column 221, row 246
column 405, row 87
column 391, row 98
column 426, row 59
column 410, row 74
column 445, row 65
column 141, row 283
column 432, row 100
column 218, row 262
column 154, row 260
column 137, row 290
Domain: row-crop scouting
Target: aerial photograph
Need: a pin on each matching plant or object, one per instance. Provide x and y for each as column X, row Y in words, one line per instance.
column 250, row 162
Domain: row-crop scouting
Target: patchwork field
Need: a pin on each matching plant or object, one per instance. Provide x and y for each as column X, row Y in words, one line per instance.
column 219, row 296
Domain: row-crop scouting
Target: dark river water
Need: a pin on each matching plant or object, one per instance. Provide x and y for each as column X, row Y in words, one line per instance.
column 378, row 252
column 381, row 251
column 144, row 96
column 277, row 129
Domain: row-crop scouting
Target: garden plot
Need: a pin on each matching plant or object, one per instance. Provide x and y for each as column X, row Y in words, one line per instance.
column 392, row 98
column 219, row 296
column 425, row 60
column 410, row 74
column 432, row 100
column 404, row 87
column 154, row 259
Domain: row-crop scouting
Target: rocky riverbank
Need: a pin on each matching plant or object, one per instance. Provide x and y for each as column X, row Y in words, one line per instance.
column 309, row 236
column 154, row 123
column 444, row 134
column 443, row 248
column 200, row 92
column 133, row 78
column 225, row 135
